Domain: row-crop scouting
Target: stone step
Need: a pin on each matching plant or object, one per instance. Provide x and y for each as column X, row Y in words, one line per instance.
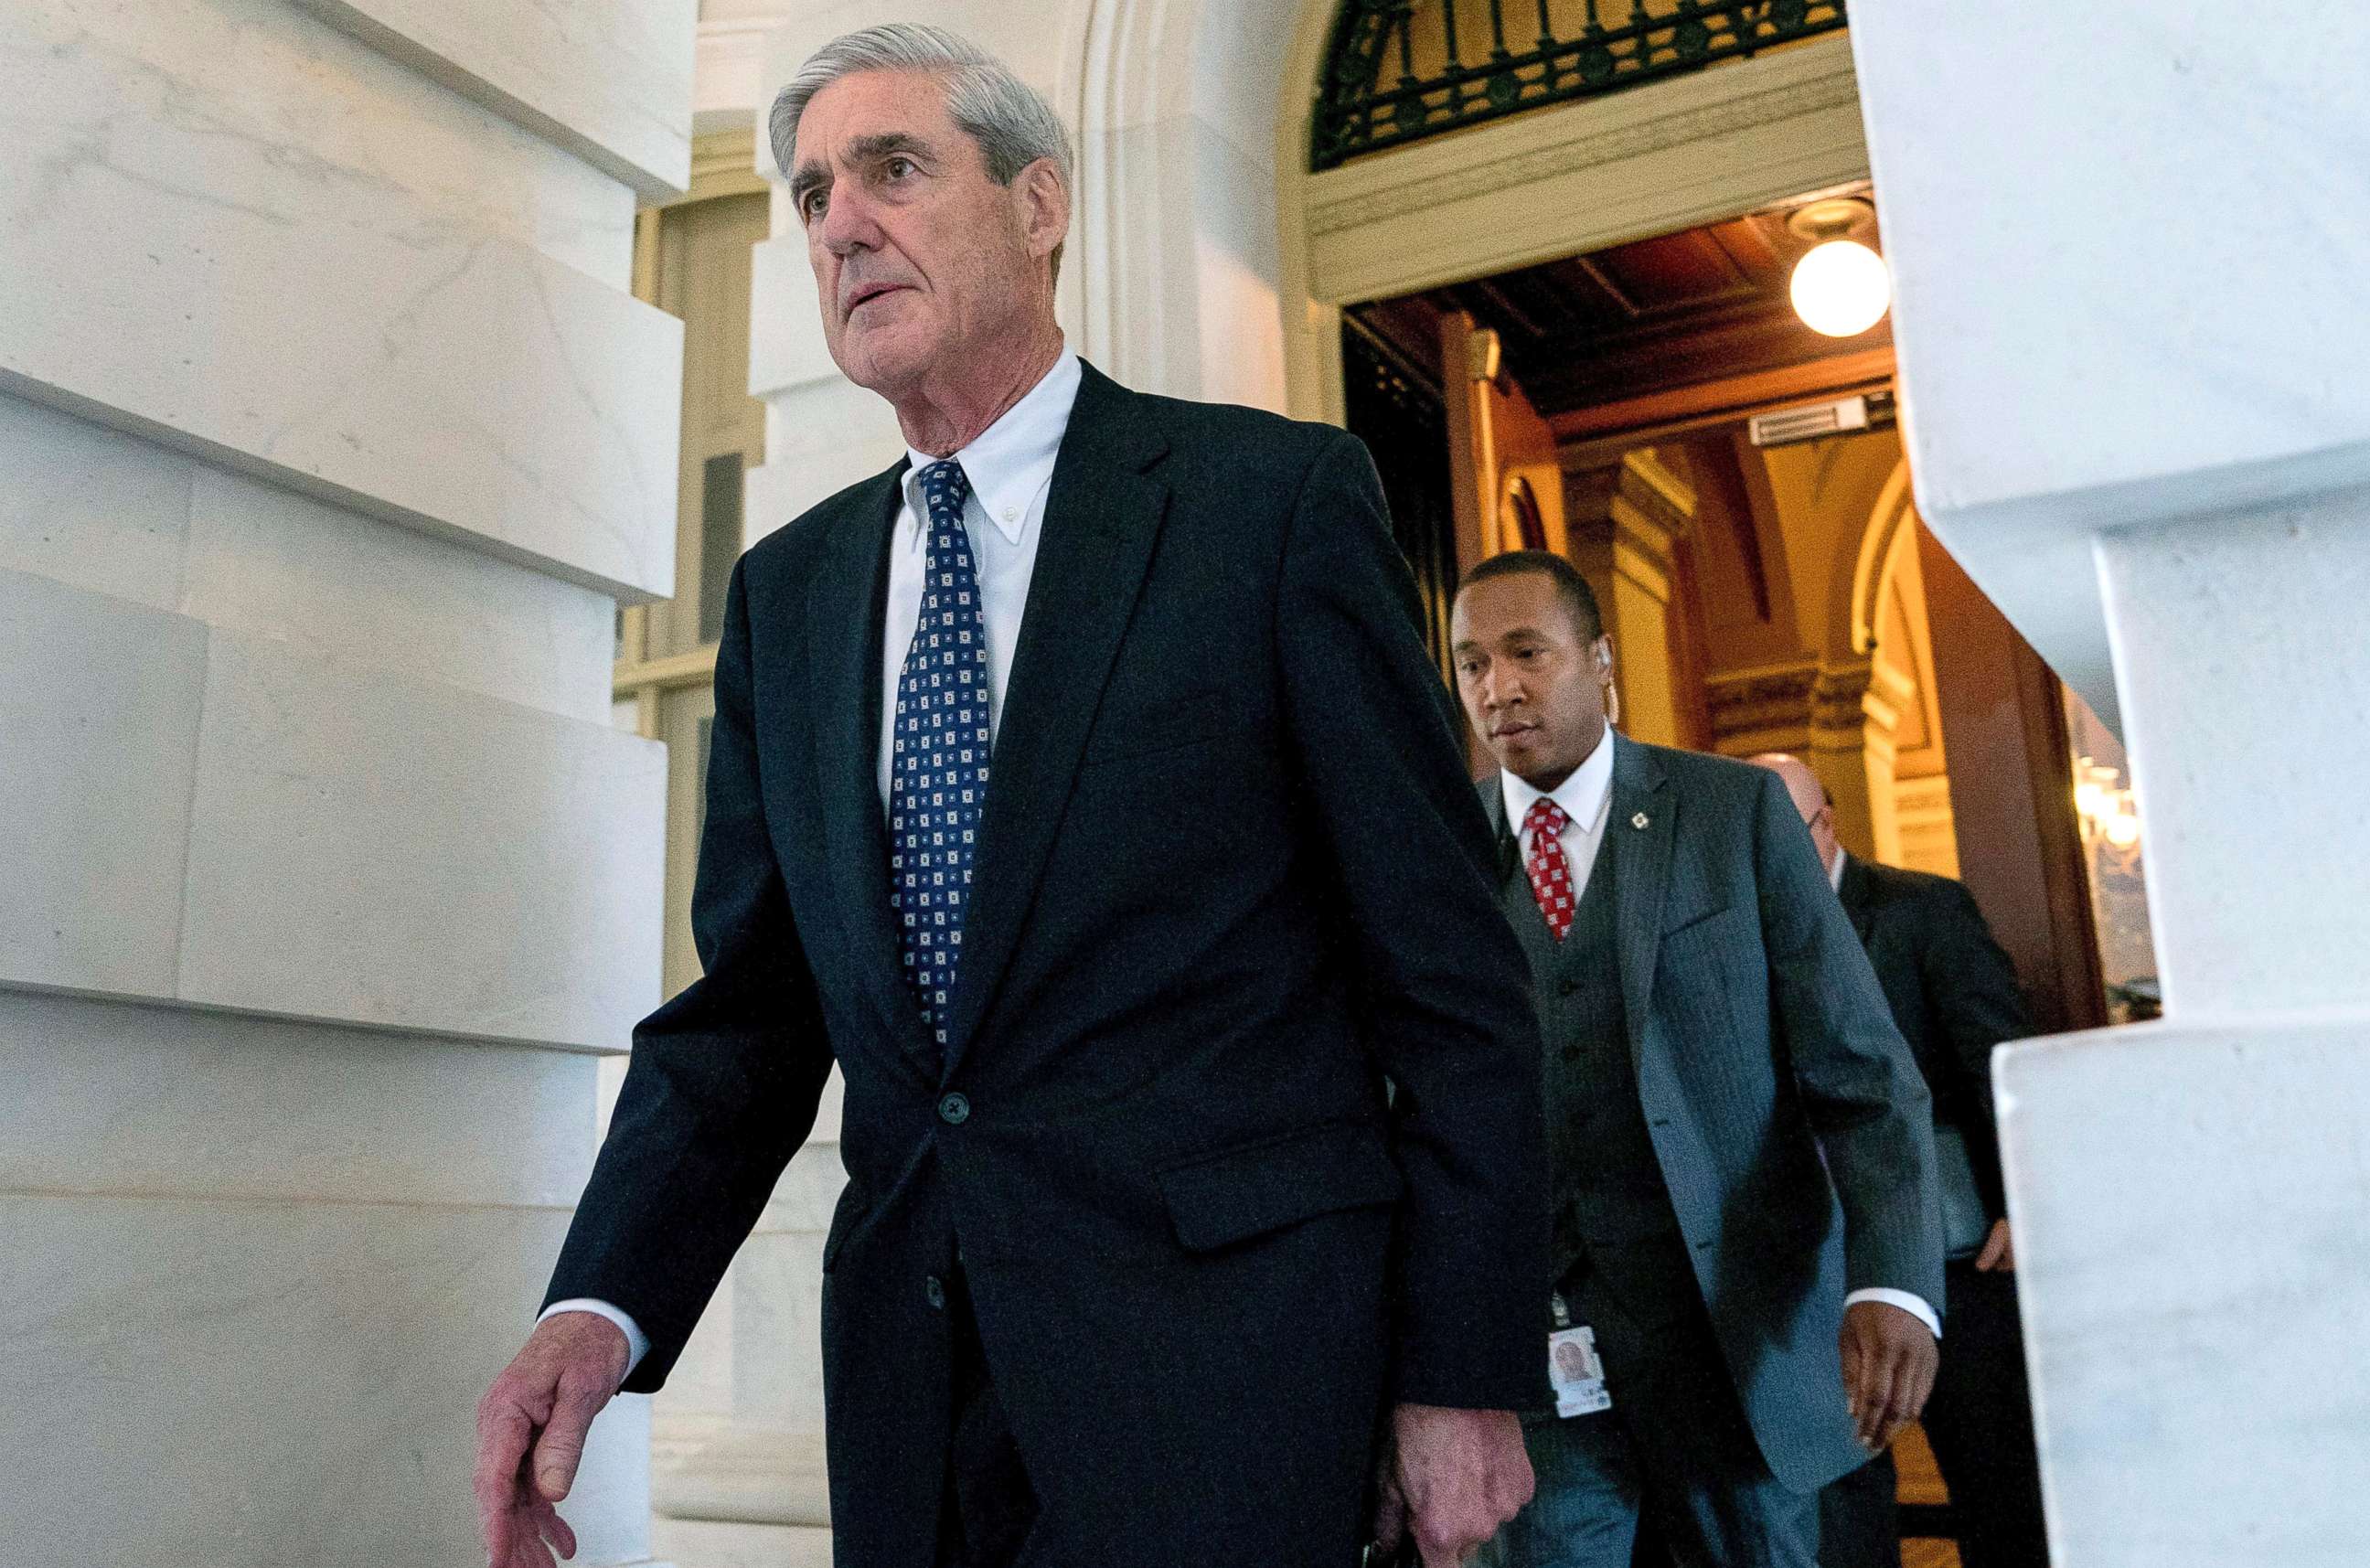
column 714, row 1543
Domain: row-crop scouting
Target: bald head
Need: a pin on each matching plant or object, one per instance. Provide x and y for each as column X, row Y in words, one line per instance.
column 1810, row 800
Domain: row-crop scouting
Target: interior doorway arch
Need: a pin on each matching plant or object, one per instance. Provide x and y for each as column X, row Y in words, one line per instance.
column 1211, row 262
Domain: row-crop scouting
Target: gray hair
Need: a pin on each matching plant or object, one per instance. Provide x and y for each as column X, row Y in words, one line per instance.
column 1010, row 119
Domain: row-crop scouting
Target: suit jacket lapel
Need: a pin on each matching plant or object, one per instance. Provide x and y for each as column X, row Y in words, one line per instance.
column 1493, row 806
column 1102, row 517
column 1643, row 822
column 846, row 607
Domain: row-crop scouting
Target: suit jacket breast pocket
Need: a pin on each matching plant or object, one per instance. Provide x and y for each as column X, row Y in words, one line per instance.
column 1679, row 922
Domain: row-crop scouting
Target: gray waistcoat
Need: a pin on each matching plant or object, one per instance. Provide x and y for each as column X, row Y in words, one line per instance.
column 1608, row 1186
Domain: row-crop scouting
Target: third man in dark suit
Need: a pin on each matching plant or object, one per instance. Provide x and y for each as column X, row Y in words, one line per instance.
column 1953, row 993
column 1745, row 1200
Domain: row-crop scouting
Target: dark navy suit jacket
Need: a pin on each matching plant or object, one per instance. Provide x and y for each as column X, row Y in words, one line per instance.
column 1231, row 875
column 1952, row 991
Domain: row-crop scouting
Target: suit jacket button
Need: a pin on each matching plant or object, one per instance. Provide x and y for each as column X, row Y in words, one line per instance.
column 954, row 1110
column 934, row 1292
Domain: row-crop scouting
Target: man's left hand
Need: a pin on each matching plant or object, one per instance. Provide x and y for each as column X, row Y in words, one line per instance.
column 1453, row 1478
column 1888, row 1363
column 1999, row 1252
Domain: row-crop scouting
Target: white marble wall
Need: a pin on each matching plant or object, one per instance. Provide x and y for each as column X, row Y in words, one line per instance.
column 2139, row 421
column 607, row 82
column 189, row 262
column 327, row 432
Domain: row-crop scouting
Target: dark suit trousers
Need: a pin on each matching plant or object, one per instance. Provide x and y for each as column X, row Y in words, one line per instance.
column 1675, row 1450
column 988, row 1507
column 1980, row 1422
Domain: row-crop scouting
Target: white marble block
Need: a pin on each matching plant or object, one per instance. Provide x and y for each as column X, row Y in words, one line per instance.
column 248, row 1383
column 2118, row 301
column 132, row 1100
column 787, row 349
column 2192, row 1216
column 404, row 855
column 90, row 506
column 2246, row 682
column 180, row 268
column 820, row 438
column 610, row 80
column 334, row 585
column 98, row 740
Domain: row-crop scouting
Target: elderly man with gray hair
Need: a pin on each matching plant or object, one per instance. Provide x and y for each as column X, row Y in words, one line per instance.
column 1079, row 785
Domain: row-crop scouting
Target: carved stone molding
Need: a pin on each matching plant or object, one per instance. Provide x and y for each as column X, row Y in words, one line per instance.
column 1838, row 702
column 1764, row 709
column 1797, row 705
column 1657, row 494
column 1427, row 187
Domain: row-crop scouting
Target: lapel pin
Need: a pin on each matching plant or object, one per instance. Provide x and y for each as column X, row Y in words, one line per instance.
column 1638, row 821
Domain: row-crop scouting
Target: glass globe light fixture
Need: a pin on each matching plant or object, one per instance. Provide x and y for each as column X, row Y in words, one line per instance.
column 1841, row 288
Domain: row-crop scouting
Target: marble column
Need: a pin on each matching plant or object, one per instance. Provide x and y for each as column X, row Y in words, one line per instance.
column 2130, row 364
column 329, row 436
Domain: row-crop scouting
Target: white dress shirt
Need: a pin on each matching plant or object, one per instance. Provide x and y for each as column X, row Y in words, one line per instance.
column 1010, row 468
column 1586, row 798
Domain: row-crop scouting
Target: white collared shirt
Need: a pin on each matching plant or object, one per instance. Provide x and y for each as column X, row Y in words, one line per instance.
column 1011, row 469
column 1586, row 798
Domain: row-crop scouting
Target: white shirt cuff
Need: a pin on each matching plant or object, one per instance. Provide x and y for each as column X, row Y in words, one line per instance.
column 1916, row 1306
column 638, row 1344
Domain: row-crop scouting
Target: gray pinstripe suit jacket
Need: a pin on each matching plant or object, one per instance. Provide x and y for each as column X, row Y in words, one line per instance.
column 1791, row 1125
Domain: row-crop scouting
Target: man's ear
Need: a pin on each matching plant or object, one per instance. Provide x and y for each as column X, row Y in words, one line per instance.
column 1044, row 206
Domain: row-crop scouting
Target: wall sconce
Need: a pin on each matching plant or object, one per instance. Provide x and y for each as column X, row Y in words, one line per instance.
column 2105, row 807
column 1840, row 287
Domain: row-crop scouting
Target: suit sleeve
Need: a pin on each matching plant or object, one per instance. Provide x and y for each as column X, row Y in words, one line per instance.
column 1446, row 993
column 1971, row 994
column 724, row 1079
column 1867, row 1102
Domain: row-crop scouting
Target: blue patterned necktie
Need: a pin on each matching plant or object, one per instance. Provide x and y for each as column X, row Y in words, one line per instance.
column 938, row 777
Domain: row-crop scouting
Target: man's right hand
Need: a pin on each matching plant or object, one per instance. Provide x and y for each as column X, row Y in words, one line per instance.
column 1449, row 1478
column 531, row 1428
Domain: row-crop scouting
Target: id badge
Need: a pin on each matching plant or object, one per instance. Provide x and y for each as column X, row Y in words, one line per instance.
column 1576, row 1373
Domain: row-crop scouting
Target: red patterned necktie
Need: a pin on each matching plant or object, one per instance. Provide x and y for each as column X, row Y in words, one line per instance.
column 1551, row 873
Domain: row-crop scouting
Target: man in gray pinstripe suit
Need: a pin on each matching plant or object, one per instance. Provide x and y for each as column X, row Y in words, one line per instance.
column 1746, row 1212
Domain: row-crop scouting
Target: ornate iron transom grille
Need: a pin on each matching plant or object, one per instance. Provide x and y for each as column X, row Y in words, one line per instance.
column 1400, row 70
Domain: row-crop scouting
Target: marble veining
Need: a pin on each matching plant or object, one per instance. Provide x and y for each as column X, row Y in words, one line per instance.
column 191, row 277
column 610, row 80
column 2192, row 1213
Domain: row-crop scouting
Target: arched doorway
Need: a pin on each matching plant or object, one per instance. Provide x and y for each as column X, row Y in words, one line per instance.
column 1216, row 258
